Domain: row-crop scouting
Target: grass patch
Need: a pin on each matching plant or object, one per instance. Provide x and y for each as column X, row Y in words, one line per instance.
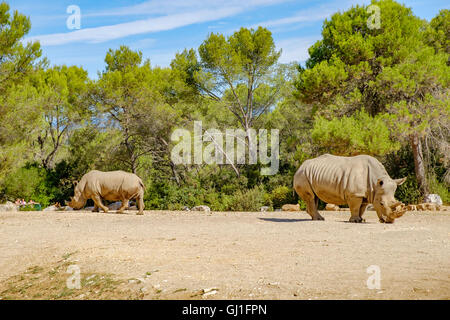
column 50, row 283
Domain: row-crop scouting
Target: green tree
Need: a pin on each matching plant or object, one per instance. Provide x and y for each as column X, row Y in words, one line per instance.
column 138, row 100
column 389, row 70
column 353, row 135
column 16, row 59
column 239, row 72
column 438, row 32
column 61, row 97
column 17, row 62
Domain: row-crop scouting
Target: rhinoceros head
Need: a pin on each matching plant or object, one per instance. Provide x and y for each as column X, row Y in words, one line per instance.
column 387, row 207
column 77, row 202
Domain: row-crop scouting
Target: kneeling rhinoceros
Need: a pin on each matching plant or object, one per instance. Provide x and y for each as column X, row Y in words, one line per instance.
column 111, row 186
column 356, row 181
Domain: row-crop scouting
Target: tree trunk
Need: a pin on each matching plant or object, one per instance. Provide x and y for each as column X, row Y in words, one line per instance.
column 419, row 166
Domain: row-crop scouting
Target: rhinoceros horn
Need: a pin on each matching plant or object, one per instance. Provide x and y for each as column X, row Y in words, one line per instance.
column 399, row 209
column 396, row 204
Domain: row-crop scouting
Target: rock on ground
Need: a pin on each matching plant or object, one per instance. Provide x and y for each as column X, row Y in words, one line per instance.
column 201, row 208
column 331, row 207
column 291, row 207
column 433, row 198
column 9, row 207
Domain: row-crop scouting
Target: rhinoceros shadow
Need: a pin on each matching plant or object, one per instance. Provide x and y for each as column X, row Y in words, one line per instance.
column 284, row 220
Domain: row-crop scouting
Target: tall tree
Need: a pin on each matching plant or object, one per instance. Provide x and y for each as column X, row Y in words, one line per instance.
column 17, row 62
column 136, row 99
column 389, row 70
column 239, row 72
column 62, row 99
column 16, row 59
column 438, row 33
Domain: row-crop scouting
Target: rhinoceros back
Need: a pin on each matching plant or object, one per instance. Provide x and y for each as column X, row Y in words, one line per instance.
column 334, row 179
column 111, row 185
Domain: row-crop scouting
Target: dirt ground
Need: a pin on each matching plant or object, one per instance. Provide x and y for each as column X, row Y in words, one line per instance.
column 186, row 255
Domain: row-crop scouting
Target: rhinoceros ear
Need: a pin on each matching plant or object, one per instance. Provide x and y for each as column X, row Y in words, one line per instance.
column 400, row 181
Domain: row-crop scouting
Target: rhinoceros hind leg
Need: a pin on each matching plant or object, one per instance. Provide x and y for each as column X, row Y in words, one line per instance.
column 312, row 204
column 141, row 204
column 303, row 189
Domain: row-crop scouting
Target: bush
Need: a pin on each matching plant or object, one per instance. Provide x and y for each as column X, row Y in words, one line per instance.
column 248, row 200
column 282, row 195
column 439, row 188
column 29, row 183
column 409, row 191
column 302, row 204
column 401, row 164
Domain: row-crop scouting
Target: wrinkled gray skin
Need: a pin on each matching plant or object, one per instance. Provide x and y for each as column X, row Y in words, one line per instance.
column 111, row 186
column 356, row 181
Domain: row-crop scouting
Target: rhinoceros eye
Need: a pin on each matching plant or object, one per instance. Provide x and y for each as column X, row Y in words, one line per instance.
column 381, row 182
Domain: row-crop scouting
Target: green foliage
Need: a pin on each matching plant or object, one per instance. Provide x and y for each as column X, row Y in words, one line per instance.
column 136, row 98
column 302, row 204
column 281, row 195
column 401, row 164
column 439, row 188
column 438, row 33
column 239, row 72
column 29, row 183
column 353, row 135
column 247, row 200
column 409, row 191
column 17, row 60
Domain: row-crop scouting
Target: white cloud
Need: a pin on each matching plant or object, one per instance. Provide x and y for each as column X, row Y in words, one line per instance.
column 167, row 15
column 296, row 49
column 106, row 33
column 317, row 13
column 159, row 7
column 298, row 18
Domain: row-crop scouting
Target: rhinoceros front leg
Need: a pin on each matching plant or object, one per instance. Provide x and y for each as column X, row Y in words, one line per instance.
column 355, row 205
column 124, row 206
column 99, row 204
column 362, row 210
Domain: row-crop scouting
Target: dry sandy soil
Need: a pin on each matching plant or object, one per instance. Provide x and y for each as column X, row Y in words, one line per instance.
column 177, row 255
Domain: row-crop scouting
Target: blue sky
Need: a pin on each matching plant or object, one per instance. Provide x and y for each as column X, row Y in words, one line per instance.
column 160, row 28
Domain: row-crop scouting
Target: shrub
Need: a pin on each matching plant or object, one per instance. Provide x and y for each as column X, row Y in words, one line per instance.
column 247, row 200
column 282, row 195
column 401, row 164
column 409, row 191
column 439, row 188
column 29, row 183
column 302, row 204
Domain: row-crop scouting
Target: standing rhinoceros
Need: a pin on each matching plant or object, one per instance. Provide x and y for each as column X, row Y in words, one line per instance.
column 111, row 186
column 356, row 181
